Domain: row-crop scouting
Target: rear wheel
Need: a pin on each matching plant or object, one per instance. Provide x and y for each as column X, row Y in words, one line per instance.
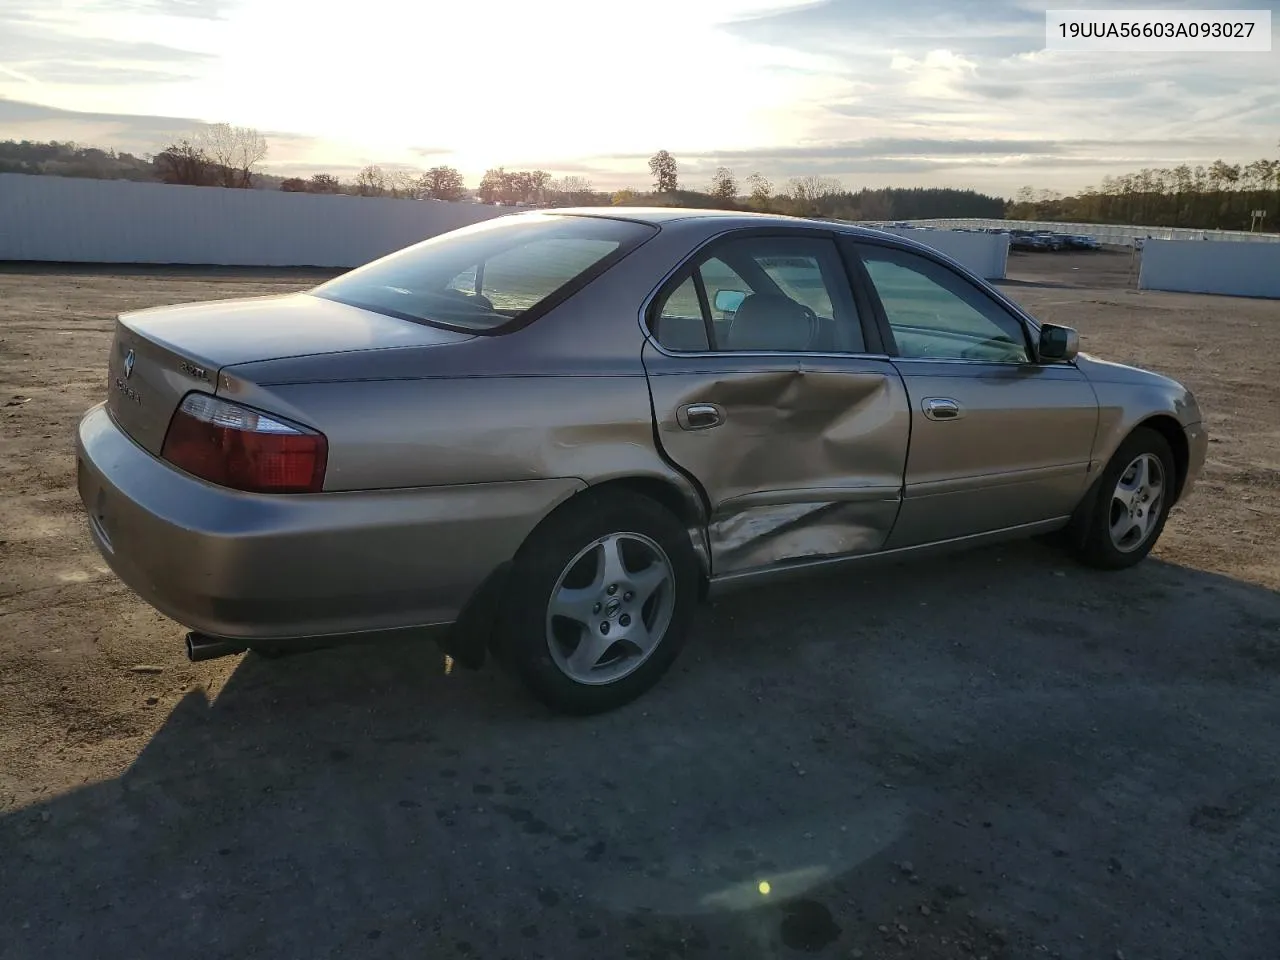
column 1133, row 498
column 603, row 594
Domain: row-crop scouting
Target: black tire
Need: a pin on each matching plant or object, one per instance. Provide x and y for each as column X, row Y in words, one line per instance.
column 1094, row 543
column 536, row 570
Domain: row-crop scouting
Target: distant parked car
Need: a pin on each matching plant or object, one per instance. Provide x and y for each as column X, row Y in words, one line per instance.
column 551, row 434
column 1023, row 240
column 1052, row 241
column 1082, row 242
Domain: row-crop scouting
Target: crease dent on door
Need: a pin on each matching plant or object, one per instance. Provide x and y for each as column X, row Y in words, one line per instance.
column 807, row 463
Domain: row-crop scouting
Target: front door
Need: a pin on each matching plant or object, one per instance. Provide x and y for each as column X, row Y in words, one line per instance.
column 998, row 440
column 761, row 394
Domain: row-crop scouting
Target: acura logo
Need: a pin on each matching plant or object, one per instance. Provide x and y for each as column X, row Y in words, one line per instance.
column 128, row 365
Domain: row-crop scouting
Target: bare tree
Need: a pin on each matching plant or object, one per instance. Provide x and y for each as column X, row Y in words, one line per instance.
column 324, row 183
column 371, row 182
column 663, row 167
column 572, row 191
column 811, row 188
column 760, row 188
column 184, row 162
column 406, row 184
column 724, row 188
column 235, row 151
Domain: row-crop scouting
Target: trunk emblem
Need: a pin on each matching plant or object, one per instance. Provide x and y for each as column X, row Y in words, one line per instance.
column 128, row 365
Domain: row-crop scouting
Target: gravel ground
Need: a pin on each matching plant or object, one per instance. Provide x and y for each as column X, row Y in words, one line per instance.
column 995, row 755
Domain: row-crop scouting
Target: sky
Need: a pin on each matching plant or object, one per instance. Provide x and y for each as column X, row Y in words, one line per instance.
column 874, row 93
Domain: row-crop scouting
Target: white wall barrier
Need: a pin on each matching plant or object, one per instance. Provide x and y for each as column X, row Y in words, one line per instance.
column 1211, row 266
column 72, row 220
column 1123, row 235
column 986, row 254
column 66, row 219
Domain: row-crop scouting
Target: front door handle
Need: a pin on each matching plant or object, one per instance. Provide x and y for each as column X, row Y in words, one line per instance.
column 699, row 416
column 942, row 408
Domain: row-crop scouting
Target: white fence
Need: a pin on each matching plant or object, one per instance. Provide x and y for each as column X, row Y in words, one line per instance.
column 70, row 220
column 986, row 254
column 1201, row 266
column 1115, row 234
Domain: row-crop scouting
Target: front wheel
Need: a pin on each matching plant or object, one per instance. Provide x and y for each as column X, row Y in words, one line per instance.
column 1133, row 494
column 603, row 594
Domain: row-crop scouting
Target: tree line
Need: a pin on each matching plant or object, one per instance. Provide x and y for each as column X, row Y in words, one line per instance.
column 810, row 196
column 226, row 156
column 1219, row 196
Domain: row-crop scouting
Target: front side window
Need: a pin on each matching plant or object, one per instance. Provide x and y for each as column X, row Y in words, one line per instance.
column 482, row 278
column 762, row 294
column 936, row 314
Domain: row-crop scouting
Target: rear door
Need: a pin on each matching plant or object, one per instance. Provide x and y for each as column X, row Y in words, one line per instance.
column 998, row 439
column 768, row 394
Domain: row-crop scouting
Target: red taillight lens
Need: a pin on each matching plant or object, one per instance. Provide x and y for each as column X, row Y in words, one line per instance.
column 234, row 446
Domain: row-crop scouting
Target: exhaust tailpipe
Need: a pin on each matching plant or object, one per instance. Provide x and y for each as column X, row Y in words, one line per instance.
column 200, row 647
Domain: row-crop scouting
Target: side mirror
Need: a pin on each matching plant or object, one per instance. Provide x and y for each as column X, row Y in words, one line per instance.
column 728, row 301
column 1057, row 343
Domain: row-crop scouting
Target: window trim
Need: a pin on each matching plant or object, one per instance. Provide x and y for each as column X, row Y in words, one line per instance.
column 539, row 310
column 705, row 250
column 1029, row 327
column 704, row 305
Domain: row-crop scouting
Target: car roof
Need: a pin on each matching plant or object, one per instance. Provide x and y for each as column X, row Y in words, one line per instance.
column 656, row 216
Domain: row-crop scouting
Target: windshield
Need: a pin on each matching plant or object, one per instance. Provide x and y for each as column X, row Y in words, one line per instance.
column 482, row 278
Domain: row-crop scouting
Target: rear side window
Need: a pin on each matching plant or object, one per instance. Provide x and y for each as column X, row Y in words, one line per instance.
column 679, row 324
column 489, row 276
column 772, row 294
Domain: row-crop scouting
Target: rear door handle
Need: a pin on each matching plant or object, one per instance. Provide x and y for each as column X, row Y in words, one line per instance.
column 699, row 416
column 942, row 408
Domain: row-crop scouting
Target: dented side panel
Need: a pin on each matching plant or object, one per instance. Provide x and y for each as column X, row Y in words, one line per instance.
column 807, row 462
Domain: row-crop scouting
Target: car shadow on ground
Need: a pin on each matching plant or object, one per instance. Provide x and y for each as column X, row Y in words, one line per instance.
column 979, row 755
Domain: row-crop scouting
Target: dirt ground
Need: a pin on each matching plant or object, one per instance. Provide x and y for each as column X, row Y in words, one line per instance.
column 995, row 755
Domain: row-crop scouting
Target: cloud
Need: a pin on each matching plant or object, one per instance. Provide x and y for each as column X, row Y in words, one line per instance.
column 90, row 73
column 198, row 9
column 120, row 130
column 428, row 152
column 40, row 44
column 71, row 45
column 846, row 28
column 132, row 133
column 964, row 78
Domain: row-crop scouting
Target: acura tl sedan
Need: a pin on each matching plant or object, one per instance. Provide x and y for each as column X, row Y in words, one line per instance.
column 548, row 436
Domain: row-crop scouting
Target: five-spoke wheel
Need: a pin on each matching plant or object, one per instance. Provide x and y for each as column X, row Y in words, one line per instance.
column 601, row 597
column 610, row 608
column 1137, row 502
column 1132, row 499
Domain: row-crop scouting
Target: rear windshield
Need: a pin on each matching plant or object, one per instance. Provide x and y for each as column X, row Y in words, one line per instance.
column 483, row 277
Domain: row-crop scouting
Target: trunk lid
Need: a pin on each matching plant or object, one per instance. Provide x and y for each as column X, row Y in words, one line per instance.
column 161, row 354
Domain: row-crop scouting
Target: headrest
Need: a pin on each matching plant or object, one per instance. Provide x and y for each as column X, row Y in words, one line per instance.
column 769, row 321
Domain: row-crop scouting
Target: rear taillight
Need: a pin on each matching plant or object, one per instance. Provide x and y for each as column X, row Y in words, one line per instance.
column 234, row 446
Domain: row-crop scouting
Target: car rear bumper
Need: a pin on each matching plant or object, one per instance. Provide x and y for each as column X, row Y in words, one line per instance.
column 256, row 567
